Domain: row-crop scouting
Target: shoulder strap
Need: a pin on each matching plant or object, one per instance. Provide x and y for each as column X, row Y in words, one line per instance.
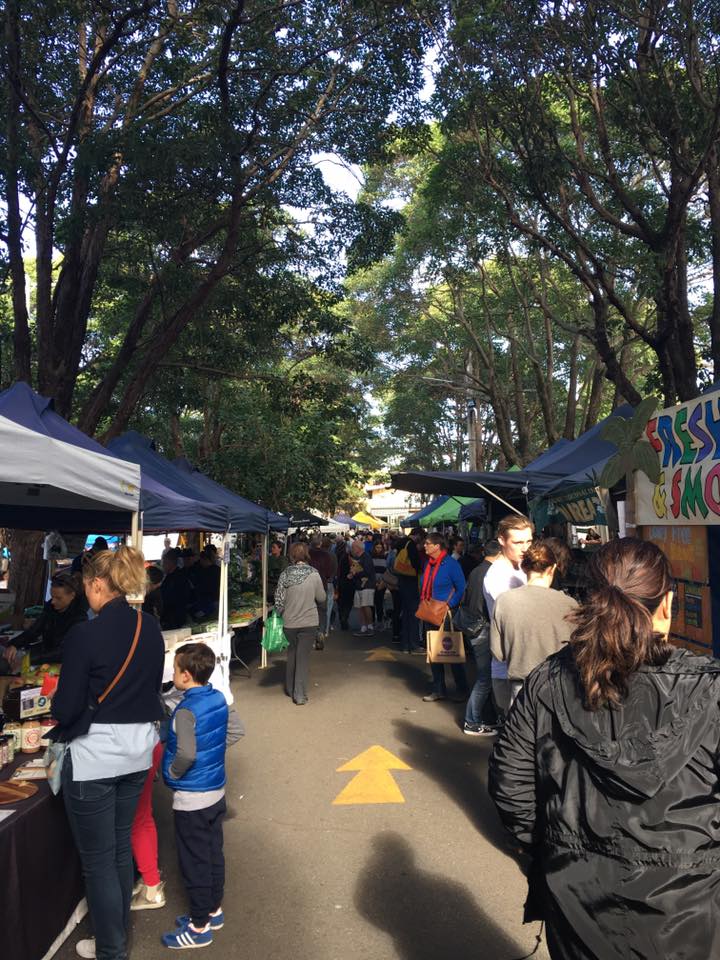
column 128, row 658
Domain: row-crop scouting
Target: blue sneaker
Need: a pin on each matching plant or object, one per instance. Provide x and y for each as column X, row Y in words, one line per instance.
column 186, row 939
column 216, row 922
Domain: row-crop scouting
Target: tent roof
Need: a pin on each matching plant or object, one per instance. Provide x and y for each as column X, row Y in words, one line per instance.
column 304, row 518
column 245, row 516
column 53, row 476
column 169, row 499
column 566, row 463
column 447, row 511
column 368, row 520
column 414, row 519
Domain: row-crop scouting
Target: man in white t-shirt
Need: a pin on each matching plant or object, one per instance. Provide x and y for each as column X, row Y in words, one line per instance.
column 515, row 534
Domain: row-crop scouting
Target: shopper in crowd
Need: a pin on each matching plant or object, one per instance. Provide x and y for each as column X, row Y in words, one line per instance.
column 99, row 545
column 206, row 594
column 475, row 624
column 407, row 566
column 443, row 580
column 345, row 586
column 300, row 600
column 531, row 623
column 607, row 774
column 514, row 535
column 362, row 574
column 393, row 584
column 153, row 595
column 471, row 558
column 458, row 548
column 66, row 607
column 176, row 590
column 325, row 562
column 380, row 566
column 200, row 729
column 107, row 704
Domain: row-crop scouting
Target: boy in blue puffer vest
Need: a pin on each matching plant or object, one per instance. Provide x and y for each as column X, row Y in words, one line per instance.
column 194, row 768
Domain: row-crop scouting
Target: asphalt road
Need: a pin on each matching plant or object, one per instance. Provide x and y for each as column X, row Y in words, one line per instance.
column 308, row 879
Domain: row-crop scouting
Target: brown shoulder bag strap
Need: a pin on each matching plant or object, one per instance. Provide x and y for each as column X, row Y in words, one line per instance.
column 128, row 658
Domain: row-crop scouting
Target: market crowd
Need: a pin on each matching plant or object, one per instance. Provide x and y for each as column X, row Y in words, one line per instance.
column 604, row 766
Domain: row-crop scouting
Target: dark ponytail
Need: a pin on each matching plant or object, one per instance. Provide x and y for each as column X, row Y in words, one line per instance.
column 614, row 632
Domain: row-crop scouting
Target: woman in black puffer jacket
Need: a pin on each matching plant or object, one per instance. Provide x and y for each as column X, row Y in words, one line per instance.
column 607, row 775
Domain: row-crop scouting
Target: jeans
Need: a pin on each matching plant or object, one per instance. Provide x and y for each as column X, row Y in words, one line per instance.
column 483, row 684
column 410, row 601
column 330, row 600
column 101, row 813
column 199, row 842
column 297, row 671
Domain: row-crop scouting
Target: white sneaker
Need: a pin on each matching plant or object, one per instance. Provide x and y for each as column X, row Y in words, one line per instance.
column 86, row 949
column 143, row 900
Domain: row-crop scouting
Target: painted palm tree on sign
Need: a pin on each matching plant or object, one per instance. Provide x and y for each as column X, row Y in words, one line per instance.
column 633, row 450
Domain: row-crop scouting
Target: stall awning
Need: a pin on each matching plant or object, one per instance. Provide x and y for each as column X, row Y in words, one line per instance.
column 53, row 476
column 169, row 499
column 245, row 516
column 368, row 520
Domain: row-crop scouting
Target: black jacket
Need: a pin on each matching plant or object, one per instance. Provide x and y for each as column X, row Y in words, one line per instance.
column 177, row 595
column 94, row 653
column 619, row 810
column 45, row 637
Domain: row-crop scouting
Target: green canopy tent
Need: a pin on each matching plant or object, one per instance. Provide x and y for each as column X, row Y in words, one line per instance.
column 447, row 512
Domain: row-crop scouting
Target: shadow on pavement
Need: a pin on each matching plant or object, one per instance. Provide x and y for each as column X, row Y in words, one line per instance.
column 429, row 916
column 459, row 767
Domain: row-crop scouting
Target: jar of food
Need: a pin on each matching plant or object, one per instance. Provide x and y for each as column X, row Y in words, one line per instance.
column 11, row 748
column 31, row 736
column 14, row 731
column 4, row 752
column 46, row 725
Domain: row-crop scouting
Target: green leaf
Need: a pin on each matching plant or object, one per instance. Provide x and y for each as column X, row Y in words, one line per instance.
column 616, row 431
column 643, row 412
column 612, row 472
column 645, row 459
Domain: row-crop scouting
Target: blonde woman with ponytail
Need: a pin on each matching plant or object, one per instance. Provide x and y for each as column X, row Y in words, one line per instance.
column 607, row 774
column 106, row 705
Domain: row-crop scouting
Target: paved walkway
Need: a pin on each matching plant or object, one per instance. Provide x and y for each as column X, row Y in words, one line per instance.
column 308, row 879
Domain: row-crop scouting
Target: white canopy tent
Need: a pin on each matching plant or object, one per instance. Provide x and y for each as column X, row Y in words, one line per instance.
column 49, row 483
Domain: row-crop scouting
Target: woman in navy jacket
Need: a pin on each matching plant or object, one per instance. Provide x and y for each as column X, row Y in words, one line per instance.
column 110, row 744
column 443, row 579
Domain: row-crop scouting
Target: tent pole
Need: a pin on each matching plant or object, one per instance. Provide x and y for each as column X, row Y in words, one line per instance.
column 500, row 499
column 135, row 529
column 263, row 661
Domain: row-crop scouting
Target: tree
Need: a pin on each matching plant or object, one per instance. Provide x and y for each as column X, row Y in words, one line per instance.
column 596, row 127
column 179, row 131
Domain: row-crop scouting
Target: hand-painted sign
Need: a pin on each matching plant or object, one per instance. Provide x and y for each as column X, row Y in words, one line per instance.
column 687, row 440
column 578, row 506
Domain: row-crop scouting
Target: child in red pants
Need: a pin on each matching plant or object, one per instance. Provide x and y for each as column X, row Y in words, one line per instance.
column 149, row 892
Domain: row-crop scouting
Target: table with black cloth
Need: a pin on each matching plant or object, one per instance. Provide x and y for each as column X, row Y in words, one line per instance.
column 40, row 875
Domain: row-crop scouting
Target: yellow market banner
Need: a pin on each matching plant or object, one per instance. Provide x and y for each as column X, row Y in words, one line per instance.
column 687, row 440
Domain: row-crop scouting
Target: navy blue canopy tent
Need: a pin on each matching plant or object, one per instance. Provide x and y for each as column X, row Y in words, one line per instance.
column 168, row 498
column 477, row 510
column 566, row 463
column 245, row 516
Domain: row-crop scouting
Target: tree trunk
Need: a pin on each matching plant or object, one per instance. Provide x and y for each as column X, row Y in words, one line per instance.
column 613, row 369
column 27, row 567
column 571, row 409
column 595, row 398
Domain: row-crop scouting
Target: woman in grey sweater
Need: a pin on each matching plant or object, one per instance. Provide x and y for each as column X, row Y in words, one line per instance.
column 529, row 623
column 299, row 598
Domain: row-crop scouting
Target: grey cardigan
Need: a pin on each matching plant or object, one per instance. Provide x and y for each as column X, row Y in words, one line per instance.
column 300, row 591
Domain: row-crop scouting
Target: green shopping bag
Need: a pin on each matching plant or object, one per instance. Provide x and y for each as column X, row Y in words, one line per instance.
column 273, row 638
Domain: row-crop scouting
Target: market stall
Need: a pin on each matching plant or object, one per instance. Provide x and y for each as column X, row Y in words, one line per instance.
column 51, row 476
column 681, row 514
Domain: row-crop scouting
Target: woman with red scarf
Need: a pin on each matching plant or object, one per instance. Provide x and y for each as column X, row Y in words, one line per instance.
column 443, row 579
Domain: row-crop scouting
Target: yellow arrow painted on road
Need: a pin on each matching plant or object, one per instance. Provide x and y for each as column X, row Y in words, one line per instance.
column 382, row 653
column 373, row 783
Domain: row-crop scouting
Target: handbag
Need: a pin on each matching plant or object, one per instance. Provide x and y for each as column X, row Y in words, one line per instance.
column 54, row 756
column 433, row 611
column 403, row 565
column 390, row 580
column 445, row 645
